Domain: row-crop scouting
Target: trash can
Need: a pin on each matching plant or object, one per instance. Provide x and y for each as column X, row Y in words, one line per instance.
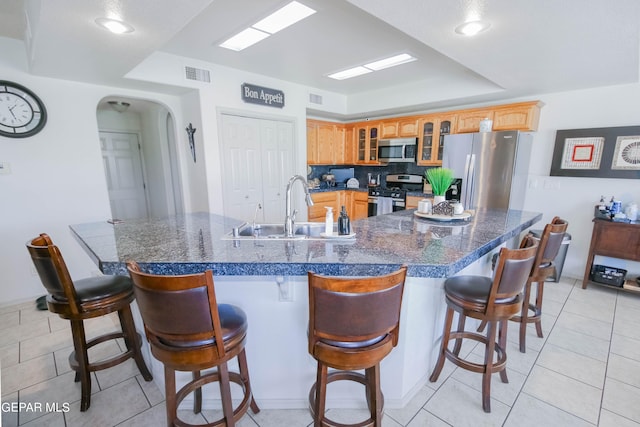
column 562, row 254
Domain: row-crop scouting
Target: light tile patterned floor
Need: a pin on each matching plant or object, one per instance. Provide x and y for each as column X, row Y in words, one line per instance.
column 585, row 372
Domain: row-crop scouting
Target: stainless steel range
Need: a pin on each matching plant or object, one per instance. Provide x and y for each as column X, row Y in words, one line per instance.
column 392, row 198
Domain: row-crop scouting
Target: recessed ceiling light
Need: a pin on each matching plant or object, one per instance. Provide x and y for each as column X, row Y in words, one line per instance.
column 472, row 28
column 283, row 17
column 115, row 26
column 390, row 62
column 373, row 66
column 244, row 39
column 351, row 72
column 278, row 20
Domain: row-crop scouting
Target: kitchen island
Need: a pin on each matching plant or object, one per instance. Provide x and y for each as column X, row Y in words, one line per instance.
column 267, row 279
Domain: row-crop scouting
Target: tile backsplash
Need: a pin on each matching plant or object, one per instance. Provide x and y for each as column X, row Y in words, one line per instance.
column 360, row 172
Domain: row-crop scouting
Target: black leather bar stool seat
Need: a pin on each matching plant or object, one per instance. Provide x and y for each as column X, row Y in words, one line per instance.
column 493, row 301
column 189, row 331
column 353, row 324
column 98, row 288
column 84, row 299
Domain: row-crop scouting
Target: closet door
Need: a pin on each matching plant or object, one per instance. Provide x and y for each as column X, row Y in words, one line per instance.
column 241, row 166
column 277, row 167
column 257, row 163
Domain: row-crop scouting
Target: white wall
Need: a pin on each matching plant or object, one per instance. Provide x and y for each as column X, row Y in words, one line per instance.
column 223, row 94
column 56, row 177
column 574, row 198
column 156, row 161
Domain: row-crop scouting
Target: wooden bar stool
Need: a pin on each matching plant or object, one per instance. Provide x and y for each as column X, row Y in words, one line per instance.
column 85, row 299
column 548, row 248
column 353, row 324
column 493, row 301
column 188, row 331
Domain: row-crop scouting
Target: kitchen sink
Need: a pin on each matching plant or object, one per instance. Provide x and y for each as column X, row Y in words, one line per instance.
column 301, row 230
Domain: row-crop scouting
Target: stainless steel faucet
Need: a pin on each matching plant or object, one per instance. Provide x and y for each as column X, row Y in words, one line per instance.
column 255, row 226
column 290, row 216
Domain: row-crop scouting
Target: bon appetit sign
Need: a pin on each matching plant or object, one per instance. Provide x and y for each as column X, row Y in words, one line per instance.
column 262, row 95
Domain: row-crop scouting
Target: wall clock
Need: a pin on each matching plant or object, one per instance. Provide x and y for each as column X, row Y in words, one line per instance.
column 22, row 113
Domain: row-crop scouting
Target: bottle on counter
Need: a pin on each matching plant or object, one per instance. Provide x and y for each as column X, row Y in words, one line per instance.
column 616, row 206
column 328, row 221
column 344, row 224
column 602, row 205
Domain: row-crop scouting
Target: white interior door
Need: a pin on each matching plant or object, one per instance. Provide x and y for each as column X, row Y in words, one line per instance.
column 257, row 163
column 242, row 166
column 123, row 171
column 277, row 167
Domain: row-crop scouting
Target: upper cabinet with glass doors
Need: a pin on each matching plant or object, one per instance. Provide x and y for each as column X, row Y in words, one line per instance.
column 366, row 144
column 433, row 129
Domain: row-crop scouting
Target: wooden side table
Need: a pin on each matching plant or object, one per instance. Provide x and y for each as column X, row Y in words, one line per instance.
column 612, row 239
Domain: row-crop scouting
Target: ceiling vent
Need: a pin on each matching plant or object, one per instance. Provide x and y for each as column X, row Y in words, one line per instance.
column 315, row 99
column 197, row 74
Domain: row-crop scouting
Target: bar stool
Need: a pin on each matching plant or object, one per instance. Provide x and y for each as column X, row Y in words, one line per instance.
column 353, row 324
column 85, row 299
column 189, row 331
column 493, row 301
column 548, row 248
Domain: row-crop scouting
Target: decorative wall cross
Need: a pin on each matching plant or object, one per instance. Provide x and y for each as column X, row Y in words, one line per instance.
column 190, row 131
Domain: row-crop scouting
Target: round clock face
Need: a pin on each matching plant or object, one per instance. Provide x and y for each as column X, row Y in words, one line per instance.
column 22, row 113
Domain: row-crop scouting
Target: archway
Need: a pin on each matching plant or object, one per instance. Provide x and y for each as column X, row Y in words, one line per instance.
column 138, row 139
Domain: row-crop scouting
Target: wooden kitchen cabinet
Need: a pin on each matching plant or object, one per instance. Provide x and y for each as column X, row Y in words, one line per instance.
column 469, row 120
column 388, row 129
column 612, row 239
column 330, row 143
column 359, row 205
column 523, row 116
column 399, row 128
column 349, row 145
column 325, row 143
column 317, row 212
column 312, row 143
column 433, row 128
column 356, row 203
column 366, row 144
column 408, row 127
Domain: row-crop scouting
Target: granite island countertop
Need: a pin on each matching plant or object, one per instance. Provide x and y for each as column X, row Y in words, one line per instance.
column 191, row 243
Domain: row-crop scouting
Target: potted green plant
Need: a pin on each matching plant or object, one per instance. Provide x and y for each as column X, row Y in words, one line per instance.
column 440, row 180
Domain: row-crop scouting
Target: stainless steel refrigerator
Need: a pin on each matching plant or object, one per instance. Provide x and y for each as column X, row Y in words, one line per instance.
column 493, row 166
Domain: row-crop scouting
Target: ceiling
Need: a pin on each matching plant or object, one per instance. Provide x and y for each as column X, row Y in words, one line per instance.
column 532, row 47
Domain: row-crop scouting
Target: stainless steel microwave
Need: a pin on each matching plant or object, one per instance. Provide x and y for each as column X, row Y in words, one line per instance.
column 400, row 150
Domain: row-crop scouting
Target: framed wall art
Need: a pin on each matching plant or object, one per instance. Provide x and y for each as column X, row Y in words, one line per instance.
column 597, row 153
column 626, row 156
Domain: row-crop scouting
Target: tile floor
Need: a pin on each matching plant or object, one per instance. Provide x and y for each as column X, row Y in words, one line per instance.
column 585, row 372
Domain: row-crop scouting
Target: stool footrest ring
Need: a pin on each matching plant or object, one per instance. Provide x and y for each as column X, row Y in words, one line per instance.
column 105, row 363
column 535, row 317
column 238, row 412
column 339, row 376
column 475, row 367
